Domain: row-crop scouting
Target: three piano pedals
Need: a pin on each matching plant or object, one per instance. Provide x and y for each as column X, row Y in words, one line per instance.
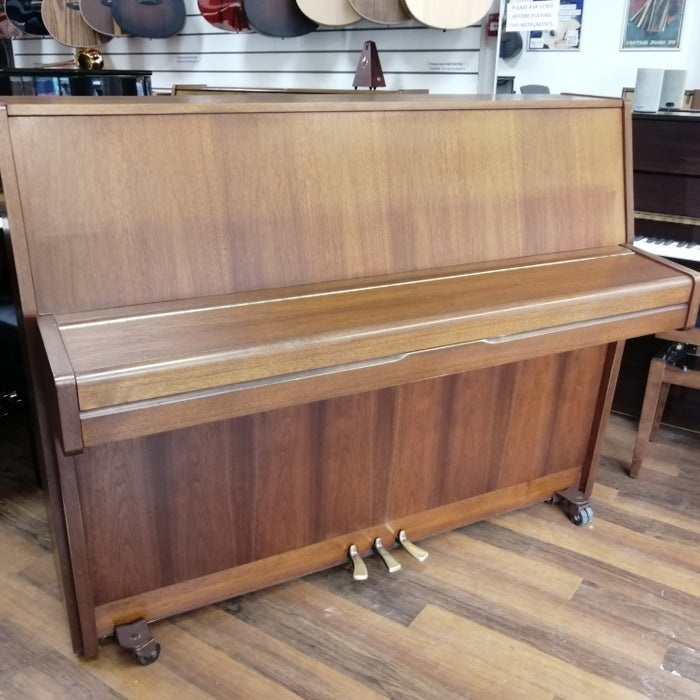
column 359, row 568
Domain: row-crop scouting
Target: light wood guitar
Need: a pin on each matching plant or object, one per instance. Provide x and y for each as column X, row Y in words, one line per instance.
column 447, row 14
column 381, row 11
column 66, row 25
column 331, row 13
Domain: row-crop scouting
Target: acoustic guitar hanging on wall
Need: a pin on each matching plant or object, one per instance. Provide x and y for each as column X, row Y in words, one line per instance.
column 278, row 18
column 452, row 14
column 25, row 15
column 66, row 25
column 228, row 15
column 98, row 14
column 153, row 19
column 381, row 11
column 330, row 13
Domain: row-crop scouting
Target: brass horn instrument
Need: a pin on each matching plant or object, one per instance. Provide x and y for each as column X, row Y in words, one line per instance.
column 86, row 59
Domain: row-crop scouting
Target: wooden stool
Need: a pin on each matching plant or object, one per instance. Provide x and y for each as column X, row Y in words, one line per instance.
column 662, row 373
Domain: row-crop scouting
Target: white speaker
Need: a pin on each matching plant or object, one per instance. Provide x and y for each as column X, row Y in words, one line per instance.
column 647, row 89
column 673, row 89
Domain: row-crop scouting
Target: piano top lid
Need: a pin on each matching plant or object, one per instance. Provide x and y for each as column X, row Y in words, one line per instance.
column 275, row 102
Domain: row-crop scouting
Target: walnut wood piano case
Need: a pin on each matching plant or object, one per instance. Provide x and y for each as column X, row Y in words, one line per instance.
column 264, row 328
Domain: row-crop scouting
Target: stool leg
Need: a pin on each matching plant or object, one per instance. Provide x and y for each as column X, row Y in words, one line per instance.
column 646, row 420
column 663, row 396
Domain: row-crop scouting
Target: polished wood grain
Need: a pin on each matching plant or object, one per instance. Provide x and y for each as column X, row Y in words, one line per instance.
column 118, row 360
column 310, row 465
column 363, row 206
column 620, row 596
column 186, row 505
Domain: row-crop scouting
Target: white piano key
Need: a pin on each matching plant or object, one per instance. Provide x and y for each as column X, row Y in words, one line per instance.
column 679, row 250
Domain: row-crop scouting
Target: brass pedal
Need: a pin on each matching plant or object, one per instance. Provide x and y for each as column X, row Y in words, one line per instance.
column 359, row 570
column 414, row 550
column 386, row 556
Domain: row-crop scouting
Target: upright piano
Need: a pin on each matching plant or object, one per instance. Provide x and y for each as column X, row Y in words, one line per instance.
column 666, row 178
column 270, row 334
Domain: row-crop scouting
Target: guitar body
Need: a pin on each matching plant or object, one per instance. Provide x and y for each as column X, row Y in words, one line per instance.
column 7, row 29
column 25, row 15
column 279, row 18
column 448, row 14
column 98, row 15
column 381, row 11
column 331, row 13
column 228, row 15
column 153, row 19
column 66, row 25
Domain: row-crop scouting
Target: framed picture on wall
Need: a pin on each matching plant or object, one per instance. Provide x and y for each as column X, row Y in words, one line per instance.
column 652, row 25
column 567, row 35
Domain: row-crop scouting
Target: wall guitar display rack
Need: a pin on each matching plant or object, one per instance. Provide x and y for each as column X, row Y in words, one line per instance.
column 421, row 328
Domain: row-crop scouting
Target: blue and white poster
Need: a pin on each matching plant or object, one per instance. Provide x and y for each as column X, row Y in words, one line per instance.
column 566, row 36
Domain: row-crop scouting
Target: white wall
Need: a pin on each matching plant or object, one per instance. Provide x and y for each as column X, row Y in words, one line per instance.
column 600, row 68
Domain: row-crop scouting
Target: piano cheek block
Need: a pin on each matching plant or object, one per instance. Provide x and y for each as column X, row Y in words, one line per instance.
column 232, row 390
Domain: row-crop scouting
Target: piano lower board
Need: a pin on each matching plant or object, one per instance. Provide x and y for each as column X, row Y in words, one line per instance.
column 168, row 522
column 211, row 588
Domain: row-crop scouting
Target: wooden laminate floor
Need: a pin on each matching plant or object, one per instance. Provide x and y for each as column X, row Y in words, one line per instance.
column 524, row 605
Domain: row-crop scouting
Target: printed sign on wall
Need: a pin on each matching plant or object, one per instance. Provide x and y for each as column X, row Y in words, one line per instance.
column 652, row 25
column 567, row 34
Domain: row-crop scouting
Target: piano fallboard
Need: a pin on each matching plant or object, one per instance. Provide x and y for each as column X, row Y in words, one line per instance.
column 130, row 360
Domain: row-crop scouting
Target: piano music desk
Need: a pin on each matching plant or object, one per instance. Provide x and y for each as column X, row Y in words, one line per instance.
column 275, row 327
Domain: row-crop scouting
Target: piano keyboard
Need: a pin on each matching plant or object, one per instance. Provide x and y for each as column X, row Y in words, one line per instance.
column 679, row 250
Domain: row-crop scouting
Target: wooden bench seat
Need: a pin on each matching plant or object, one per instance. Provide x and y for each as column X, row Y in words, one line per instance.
column 120, row 371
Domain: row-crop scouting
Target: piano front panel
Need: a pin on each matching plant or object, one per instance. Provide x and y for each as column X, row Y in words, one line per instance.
column 234, row 492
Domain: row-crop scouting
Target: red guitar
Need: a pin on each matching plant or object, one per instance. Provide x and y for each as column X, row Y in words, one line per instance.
column 224, row 14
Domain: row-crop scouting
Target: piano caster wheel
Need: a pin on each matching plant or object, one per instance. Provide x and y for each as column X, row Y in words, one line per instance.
column 136, row 639
column 146, row 660
column 575, row 504
column 583, row 516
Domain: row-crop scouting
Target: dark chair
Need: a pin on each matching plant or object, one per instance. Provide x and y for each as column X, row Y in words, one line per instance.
column 534, row 89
